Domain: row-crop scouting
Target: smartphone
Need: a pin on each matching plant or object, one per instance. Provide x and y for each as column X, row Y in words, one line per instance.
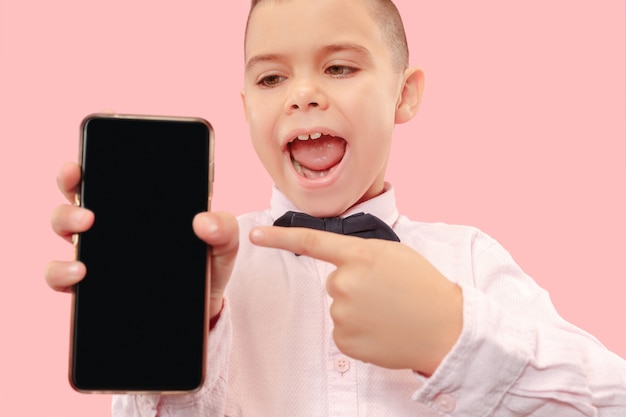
column 139, row 320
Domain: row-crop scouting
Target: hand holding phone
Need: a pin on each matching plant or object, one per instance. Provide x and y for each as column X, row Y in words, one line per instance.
column 140, row 313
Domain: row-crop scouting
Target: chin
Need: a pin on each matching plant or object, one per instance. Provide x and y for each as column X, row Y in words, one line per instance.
column 324, row 205
column 333, row 199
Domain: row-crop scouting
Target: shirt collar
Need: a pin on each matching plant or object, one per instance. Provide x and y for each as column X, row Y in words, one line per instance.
column 382, row 206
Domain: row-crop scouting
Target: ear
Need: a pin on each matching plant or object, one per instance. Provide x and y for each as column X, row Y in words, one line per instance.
column 243, row 101
column 411, row 95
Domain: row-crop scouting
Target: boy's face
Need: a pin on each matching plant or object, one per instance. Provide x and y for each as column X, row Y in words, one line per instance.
column 321, row 67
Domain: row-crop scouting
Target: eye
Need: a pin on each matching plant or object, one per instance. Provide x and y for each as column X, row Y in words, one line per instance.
column 271, row 80
column 340, row 70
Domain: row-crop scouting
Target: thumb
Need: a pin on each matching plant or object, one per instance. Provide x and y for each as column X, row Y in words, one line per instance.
column 221, row 232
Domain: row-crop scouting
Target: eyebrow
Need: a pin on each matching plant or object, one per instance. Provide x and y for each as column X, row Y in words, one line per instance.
column 360, row 50
column 259, row 59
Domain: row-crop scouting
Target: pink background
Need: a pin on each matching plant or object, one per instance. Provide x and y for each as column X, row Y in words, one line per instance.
column 521, row 133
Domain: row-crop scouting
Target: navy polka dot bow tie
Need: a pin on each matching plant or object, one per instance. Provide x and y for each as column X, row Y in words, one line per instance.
column 360, row 225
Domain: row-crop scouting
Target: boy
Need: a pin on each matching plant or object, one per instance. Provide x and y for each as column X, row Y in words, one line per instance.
column 441, row 323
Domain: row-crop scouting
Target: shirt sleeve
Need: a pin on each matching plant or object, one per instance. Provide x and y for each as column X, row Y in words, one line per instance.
column 516, row 356
column 209, row 400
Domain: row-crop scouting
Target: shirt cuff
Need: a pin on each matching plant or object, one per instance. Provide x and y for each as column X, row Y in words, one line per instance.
column 489, row 356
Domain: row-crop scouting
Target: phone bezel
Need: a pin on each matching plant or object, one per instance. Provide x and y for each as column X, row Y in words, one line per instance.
column 76, row 242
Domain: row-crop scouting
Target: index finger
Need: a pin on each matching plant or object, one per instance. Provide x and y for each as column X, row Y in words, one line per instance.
column 68, row 180
column 326, row 246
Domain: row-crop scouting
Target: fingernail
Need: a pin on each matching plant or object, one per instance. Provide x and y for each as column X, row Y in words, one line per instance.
column 74, row 270
column 79, row 216
column 211, row 226
column 256, row 235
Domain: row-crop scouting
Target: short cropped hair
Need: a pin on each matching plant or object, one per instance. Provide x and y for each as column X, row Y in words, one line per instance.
column 388, row 17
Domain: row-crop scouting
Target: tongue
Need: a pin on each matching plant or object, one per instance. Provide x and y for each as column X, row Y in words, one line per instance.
column 318, row 154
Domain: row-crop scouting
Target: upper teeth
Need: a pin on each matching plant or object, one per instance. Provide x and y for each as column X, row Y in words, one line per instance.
column 311, row 136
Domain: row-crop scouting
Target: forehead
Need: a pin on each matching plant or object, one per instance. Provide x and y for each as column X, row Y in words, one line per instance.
column 301, row 25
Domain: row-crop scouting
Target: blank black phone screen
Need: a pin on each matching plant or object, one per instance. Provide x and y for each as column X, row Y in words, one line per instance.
column 139, row 318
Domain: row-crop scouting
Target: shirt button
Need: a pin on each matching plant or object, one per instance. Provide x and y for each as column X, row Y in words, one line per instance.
column 342, row 364
column 445, row 403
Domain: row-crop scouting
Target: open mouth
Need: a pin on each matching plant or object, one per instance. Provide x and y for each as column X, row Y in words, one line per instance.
column 315, row 155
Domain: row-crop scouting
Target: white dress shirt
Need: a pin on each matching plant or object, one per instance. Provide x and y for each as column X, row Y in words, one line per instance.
column 272, row 354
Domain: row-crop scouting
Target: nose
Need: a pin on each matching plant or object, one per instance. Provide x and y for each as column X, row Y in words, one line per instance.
column 305, row 95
